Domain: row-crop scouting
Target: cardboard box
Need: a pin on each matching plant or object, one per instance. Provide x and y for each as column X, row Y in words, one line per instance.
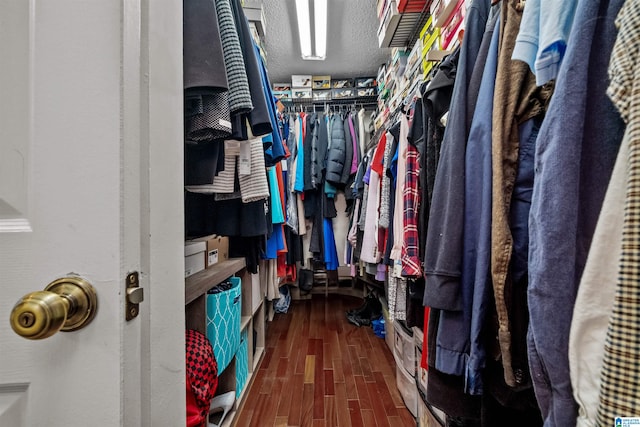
column 281, row 86
column 217, row 250
column 301, row 81
column 322, row 95
column 368, row 91
column 283, row 95
column 364, row 82
column 343, row 93
column 321, row 82
column 342, row 83
column 302, row 94
column 194, row 257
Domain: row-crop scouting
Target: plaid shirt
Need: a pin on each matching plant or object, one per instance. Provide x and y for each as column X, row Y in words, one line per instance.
column 411, row 265
column 620, row 377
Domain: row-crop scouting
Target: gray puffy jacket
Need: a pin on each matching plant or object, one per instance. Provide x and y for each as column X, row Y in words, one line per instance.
column 337, row 151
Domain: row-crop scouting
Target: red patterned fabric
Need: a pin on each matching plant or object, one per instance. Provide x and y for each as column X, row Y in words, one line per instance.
column 411, row 264
column 202, row 377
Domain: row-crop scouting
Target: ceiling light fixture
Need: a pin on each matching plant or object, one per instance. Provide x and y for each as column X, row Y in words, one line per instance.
column 304, row 29
column 320, row 15
column 304, row 26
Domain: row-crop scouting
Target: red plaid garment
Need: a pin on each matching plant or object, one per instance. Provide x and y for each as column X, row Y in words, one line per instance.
column 202, row 376
column 411, row 265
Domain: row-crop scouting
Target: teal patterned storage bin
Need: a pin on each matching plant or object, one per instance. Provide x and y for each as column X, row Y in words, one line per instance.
column 242, row 363
column 223, row 322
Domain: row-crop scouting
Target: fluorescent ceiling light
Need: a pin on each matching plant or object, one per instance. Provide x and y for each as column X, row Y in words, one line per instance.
column 320, row 15
column 304, row 26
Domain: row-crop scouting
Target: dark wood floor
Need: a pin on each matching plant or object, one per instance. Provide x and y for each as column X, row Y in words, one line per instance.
column 319, row 370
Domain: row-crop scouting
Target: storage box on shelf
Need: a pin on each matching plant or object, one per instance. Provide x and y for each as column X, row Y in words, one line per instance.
column 194, row 257
column 217, row 248
column 404, row 352
column 427, row 416
column 404, row 348
column 405, row 6
column 398, row 29
column 223, row 321
column 381, row 7
column 429, row 36
column 414, row 59
column 442, row 10
column 252, row 324
column 421, row 373
column 407, row 388
column 242, row 363
column 388, row 325
column 452, row 27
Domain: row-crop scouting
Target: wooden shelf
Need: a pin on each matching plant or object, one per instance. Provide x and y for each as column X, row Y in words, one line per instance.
column 251, row 321
column 204, row 280
column 258, row 306
column 257, row 358
column 244, row 322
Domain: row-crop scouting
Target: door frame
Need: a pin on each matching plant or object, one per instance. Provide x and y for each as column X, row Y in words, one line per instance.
column 153, row 367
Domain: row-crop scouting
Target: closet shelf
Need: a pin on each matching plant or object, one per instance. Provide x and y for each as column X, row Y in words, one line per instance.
column 255, row 310
column 257, row 358
column 244, row 322
column 366, row 100
column 402, row 29
column 204, row 280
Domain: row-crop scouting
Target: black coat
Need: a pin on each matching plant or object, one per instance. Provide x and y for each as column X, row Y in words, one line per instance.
column 259, row 118
column 319, row 152
column 202, row 47
column 337, row 151
column 348, row 157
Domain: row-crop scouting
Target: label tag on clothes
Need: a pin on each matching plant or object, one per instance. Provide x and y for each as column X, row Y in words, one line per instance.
column 245, row 158
column 225, row 123
column 397, row 269
column 231, row 147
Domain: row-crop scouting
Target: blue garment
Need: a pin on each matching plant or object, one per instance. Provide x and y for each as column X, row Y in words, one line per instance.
column 275, row 242
column 476, row 259
column 330, row 190
column 273, row 142
column 298, row 186
column 277, row 212
column 575, row 153
column 542, row 40
column 443, row 248
column 330, row 251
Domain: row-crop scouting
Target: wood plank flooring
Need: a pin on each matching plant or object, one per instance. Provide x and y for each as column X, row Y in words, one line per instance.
column 319, row 370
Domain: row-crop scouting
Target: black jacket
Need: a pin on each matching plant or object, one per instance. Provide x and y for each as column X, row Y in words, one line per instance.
column 348, row 157
column 337, row 151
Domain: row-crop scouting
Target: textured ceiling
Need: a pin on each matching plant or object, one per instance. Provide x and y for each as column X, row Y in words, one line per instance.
column 352, row 43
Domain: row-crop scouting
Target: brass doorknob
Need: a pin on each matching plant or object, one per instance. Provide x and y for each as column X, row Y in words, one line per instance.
column 65, row 304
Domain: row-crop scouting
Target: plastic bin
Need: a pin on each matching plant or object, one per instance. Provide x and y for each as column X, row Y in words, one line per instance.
column 223, row 322
column 242, row 363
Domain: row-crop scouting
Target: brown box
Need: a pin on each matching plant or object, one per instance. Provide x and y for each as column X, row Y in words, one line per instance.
column 217, row 250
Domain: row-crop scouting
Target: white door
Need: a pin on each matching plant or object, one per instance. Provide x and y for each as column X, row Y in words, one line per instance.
column 91, row 185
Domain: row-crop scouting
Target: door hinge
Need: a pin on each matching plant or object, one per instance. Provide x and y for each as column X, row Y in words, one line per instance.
column 134, row 295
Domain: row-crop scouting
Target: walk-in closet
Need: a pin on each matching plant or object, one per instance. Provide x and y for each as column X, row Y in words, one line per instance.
column 320, row 213
column 417, row 190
